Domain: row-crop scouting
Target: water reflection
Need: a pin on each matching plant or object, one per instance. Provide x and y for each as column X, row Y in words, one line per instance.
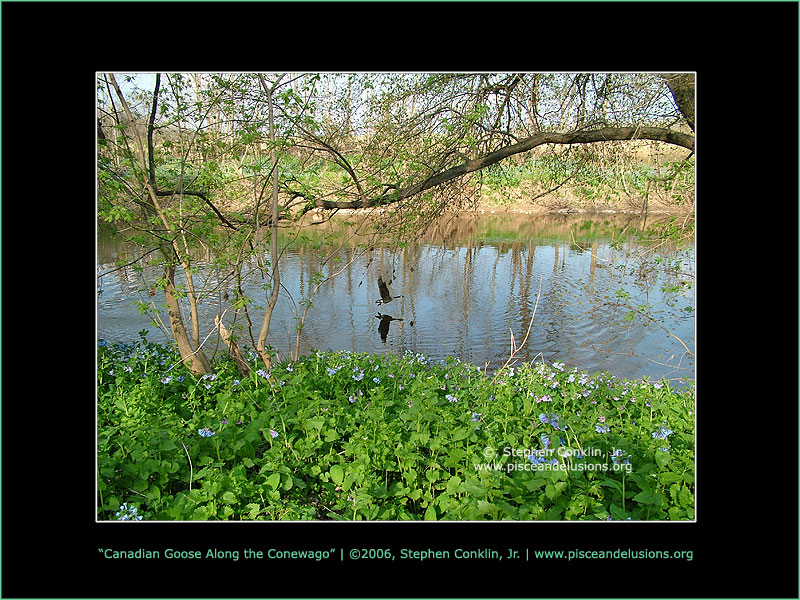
column 383, row 327
column 467, row 285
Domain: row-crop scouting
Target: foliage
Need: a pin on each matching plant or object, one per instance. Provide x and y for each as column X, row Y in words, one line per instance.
column 356, row 436
column 590, row 180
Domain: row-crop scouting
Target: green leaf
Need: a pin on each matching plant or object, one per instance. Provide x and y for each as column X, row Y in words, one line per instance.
column 509, row 509
column 460, row 434
column 646, row 497
column 315, row 423
column 430, row 513
column 229, row 498
column 612, row 483
column 617, row 513
column 274, row 480
column 475, row 488
column 337, row 474
column 669, row 477
column 534, row 484
column 685, row 497
column 453, row 485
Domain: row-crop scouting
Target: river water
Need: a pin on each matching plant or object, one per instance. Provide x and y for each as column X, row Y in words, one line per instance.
column 464, row 287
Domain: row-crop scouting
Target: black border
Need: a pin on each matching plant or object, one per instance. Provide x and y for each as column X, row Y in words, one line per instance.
column 745, row 55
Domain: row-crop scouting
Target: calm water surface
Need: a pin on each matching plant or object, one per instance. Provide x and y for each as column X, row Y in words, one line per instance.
column 465, row 287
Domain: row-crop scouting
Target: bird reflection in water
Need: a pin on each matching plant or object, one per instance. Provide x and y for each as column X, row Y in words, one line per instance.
column 383, row 327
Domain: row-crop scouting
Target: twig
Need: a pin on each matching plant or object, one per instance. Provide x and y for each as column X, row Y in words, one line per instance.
column 645, row 315
column 191, row 469
column 514, row 347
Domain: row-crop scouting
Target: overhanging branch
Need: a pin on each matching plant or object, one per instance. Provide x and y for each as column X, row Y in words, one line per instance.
column 199, row 195
column 604, row 134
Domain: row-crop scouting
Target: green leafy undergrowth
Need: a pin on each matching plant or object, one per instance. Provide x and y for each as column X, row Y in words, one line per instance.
column 348, row 436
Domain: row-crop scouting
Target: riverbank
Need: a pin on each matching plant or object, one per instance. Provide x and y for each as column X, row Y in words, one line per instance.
column 346, row 436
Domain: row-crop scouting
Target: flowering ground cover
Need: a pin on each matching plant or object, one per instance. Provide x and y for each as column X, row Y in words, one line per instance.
column 338, row 435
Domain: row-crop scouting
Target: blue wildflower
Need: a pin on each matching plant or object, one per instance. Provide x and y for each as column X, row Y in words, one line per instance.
column 662, row 433
column 543, row 418
column 102, row 342
column 359, row 376
column 535, row 459
column 620, row 458
column 602, row 428
column 273, row 433
column 332, row 371
column 127, row 513
column 205, row 432
column 262, row 373
column 166, row 379
column 451, row 398
column 376, row 380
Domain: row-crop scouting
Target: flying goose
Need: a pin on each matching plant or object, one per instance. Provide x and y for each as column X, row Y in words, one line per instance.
column 386, row 297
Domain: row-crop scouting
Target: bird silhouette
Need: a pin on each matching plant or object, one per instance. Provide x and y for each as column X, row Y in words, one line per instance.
column 386, row 297
column 383, row 327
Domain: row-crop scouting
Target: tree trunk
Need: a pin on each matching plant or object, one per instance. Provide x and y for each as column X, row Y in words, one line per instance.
column 273, row 242
column 233, row 347
column 681, row 86
column 193, row 359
